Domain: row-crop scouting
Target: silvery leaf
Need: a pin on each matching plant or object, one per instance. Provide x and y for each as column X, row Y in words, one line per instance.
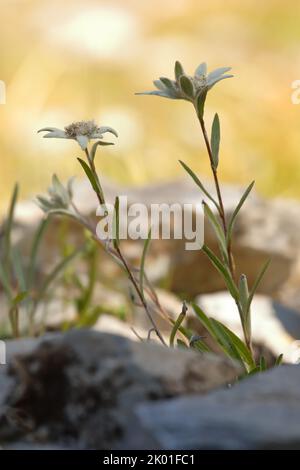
column 178, row 70
column 83, row 141
column 53, row 132
column 57, row 186
column 43, row 203
column 158, row 84
column 164, row 94
column 70, row 187
column 187, row 86
column 213, row 82
column 105, row 129
column 167, row 82
column 201, row 69
column 217, row 73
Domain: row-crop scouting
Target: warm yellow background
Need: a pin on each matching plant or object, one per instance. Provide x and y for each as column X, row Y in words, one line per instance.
column 81, row 59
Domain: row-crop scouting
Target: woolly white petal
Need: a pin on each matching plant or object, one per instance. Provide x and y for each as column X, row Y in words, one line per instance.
column 54, row 132
column 97, row 135
column 104, row 129
column 201, row 69
column 83, row 141
column 217, row 73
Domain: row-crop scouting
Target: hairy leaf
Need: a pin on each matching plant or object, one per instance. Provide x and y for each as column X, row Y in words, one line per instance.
column 215, row 141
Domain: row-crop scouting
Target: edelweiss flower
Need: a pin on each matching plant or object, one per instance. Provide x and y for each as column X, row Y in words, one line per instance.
column 59, row 196
column 186, row 87
column 82, row 132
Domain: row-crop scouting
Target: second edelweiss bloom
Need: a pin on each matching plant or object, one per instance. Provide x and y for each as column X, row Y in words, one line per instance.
column 188, row 87
column 82, row 132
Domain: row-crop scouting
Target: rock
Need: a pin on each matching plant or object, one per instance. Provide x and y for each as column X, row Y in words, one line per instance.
column 78, row 390
column 110, row 324
column 260, row 412
column 263, row 229
column 134, row 332
column 258, row 236
column 275, row 327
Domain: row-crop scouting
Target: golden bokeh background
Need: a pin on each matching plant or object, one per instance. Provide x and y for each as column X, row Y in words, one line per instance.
column 84, row 59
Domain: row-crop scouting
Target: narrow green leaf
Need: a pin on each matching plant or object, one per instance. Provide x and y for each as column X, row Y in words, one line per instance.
column 223, row 271
column 188, row 334
column 94, row 150
column 254, row 370
column 38, row 236
column 177, row 323
column 90, row 175
column 143, row 260
column 244, row 310
column 225, row 341
column 240, row 346
column 215, row 141
column 262, row 364
column 185, row 331
column 59, row 188
column 236, row 211
column 257, row 282
column 8, row 228
column 167, row 82
column 198, row 183
column 105, row 143
column 279, row 360
column 187, row 86
column 244, row 292
column 197, row 343
column 218, row 334
column 116, row 223
column 178, row 70
column 218, row 231
column 18, row 268
column 204, row 320
column 43, row 203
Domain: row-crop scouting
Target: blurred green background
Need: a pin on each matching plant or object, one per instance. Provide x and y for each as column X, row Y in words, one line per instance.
column 84, row 59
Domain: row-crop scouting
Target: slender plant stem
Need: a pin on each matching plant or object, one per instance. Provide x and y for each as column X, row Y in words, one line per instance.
column 91, row 163
column 246, row 336
column 223, row 220
column 219, row 195
column 101, row 199
column 141, row 297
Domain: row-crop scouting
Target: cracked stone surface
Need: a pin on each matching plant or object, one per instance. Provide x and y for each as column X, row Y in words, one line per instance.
column 79, row 389
column 260, row 412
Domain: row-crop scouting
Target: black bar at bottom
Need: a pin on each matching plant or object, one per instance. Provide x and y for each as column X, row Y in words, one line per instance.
column 134, row 459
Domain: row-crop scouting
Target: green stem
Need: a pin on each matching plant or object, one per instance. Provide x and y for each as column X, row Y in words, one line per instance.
column 177, row 324
column 99, row 193
column 101, row 199
column 223, row 220
column 140, row 295
column 219, row 195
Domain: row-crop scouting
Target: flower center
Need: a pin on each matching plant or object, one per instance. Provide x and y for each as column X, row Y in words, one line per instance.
column 87, row 128
column 199, row 81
